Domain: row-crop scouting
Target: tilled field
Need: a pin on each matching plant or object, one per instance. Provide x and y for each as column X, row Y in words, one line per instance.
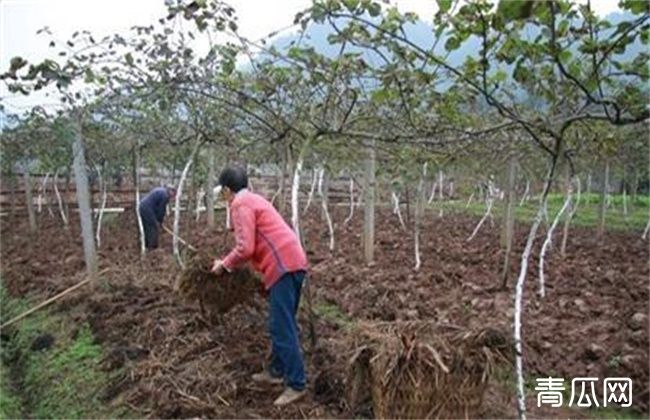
column 593, row 321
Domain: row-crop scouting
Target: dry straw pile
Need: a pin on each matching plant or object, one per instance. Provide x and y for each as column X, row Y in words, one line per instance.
column 422, row 370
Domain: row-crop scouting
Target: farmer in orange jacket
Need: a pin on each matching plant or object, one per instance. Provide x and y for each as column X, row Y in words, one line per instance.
column 266, row 240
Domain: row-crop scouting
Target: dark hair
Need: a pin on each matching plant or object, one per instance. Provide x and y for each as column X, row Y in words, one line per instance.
column 234, row 178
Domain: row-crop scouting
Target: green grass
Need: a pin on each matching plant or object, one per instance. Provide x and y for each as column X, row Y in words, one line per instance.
column 332, row 313
column 586, row 216
column 10, row 404
column 62, row 381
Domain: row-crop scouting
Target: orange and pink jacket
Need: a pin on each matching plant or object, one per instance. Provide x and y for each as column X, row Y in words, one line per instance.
column 263, row 238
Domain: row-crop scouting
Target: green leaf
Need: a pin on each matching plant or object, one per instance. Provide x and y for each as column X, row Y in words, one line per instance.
column 515, row 10
column 374, row 9
column 565, row 56
column 444, row 5
column 380, row 95
column 452, row 43
column 635, row 6
column 89, row 76
column 16, row 64
column 500, row 76
column 522, row 73
column 351, row 5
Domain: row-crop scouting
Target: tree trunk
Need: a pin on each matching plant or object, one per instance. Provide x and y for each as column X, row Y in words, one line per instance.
column 519, row 295
column 295, row 190
column 66, row 198
column 419, row 208
column 573, row 207
column 408, row 205
column 634, row 187
column 286, row 168
column 28, row 200
column 396, row 209
column 59, row 200
column 13, row 182
column 325, row 212
column 177, row 210
column 549, row 237
column 524, row 197
column 45, row 197
column 347, row 220
column 624, row 187
column 136, row 186
column 508, row 218
column 369, row 206
column 314, row 176
column 210, row 189
column 602, row 211
column 102, row 187
column 83, row 201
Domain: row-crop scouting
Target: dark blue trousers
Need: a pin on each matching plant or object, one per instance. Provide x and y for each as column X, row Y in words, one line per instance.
column 286, row 356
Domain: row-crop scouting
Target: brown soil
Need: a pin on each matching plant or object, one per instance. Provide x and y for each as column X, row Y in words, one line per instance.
column 178, row 365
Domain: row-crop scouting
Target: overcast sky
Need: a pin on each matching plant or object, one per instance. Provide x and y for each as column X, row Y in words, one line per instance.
column 20, row 19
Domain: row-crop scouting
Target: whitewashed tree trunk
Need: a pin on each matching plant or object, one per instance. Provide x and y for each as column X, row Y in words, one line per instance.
column 210, row 191
column 588, row 187
column 177, row 210
column 136, row 181
column 29, row 200
column 102, row 188
column 488, row 212
column 326, row 213
column 469, row 200
column 519, row 295
column 41, row 194
column 441, row 177
column 83, row 200
column 547, row 242
column 347, row 220
column 200, row 195
column 508, row 218
column 625, row 203
column 396, row 209
column 646, row 230
column 524, row 197
column 419, row 208
column 573, row 207
column 603, row 202
column 314, row 178
column 432, row 196
column 369, row 205
column 64, row 216
column 451, row 189
column 360, row 196
column 48, row 202
column 295, row 190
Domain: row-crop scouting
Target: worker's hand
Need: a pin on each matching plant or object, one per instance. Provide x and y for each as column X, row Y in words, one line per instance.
column 217, row 267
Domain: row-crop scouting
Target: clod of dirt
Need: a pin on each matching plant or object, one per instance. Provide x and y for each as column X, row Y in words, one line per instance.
column 594, row 352
column 119, row 355
column 42, row 342
column 638, row 321
column 217, row 294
